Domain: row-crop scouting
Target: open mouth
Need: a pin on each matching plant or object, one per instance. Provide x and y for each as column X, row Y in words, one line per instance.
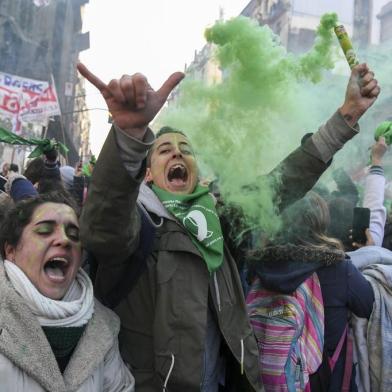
column 178, row 174
column 56, row 268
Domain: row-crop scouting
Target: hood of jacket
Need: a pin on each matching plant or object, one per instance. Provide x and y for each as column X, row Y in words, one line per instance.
column 283, row 268
column 149, row 202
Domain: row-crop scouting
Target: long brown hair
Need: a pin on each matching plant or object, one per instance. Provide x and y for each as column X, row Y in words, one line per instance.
column 306, row 222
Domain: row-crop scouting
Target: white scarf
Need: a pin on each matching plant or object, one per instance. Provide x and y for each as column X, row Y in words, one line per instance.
column 74, row 310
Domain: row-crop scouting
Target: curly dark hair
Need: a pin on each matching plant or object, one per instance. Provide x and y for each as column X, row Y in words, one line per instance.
column 19, row 216
column 34, row 170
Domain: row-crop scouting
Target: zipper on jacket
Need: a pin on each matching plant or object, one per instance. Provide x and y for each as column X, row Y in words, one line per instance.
column 242, row 356
column 218, row 299
column 168, row 373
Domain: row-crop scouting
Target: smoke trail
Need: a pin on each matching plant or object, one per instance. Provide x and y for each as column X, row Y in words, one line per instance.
column 244, row 125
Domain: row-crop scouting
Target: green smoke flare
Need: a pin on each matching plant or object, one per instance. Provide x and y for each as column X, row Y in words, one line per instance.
column 243, row 125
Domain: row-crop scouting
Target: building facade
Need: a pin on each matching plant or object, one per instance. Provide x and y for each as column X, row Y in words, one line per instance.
column 41, row 38
column 385, row 17
column 295, row 21
column 81, row 121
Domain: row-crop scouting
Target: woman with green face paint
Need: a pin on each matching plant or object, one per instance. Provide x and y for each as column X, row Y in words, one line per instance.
column 172, row 164
column 53, row 335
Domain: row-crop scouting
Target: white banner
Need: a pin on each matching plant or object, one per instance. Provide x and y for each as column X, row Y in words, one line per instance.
column 27, row 100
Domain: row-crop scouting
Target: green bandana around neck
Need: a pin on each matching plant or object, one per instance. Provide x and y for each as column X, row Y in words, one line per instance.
column 197, row 213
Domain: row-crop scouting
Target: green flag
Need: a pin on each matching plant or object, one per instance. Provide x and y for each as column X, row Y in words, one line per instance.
column 43, row 145
column 385, row 130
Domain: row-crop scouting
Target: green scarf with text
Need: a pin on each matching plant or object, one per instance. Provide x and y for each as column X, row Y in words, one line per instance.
column 197, row 213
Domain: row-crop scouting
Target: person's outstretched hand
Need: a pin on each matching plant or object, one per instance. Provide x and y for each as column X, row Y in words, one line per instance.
column 362, row 91
column 378, row 150
column 131, row 101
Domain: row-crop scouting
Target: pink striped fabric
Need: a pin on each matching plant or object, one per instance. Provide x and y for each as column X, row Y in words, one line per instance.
column 290, row 334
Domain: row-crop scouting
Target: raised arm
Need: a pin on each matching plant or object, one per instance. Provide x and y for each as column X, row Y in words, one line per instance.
column 297, row 174
column 374, row 192
column 109, row 222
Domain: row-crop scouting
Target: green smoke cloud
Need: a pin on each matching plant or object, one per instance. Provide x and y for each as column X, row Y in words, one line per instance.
column 244, row 125
column 355, row 154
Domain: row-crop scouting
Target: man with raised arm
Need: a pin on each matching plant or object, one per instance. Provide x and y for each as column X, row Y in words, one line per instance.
column 184, row 325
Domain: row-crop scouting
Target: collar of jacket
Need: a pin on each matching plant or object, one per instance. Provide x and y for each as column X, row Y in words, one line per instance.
column 149, row 201
column 283, row 268
column 23, row 342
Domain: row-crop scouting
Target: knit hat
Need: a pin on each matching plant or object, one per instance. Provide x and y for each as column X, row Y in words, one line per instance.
column 67, row 174
column 21, row 188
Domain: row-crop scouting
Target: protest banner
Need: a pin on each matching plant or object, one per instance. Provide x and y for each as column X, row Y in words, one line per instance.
column 27, row 100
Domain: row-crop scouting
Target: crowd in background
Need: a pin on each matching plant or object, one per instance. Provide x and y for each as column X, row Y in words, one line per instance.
column 192, row 284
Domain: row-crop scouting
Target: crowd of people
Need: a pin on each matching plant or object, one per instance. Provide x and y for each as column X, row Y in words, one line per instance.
column 145, row 283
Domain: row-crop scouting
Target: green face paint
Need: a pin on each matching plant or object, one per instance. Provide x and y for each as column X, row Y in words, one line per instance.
column 346, row 45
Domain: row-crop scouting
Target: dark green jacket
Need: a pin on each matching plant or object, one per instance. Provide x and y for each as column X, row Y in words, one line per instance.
column 163, row 319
